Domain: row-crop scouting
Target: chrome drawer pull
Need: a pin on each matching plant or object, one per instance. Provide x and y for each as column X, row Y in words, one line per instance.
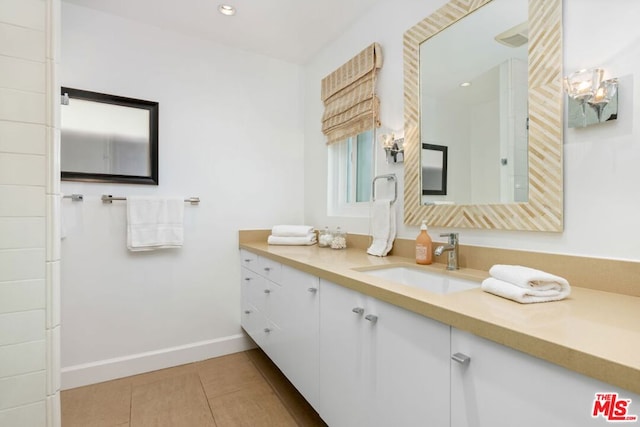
column 247, row 278
column 248, row 260
column 313, row 290
column 267, row 269
column 358, row 310
column 267, row 330
column 267, row 291
column 461, row 358
column 371, row 318
column 247, row 312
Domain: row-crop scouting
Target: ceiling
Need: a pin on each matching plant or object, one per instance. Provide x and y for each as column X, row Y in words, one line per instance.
column 291, row 30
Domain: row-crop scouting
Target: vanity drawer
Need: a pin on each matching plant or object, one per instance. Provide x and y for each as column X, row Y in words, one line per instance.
column 270, row 269
column 249, row 260
column 253, row 289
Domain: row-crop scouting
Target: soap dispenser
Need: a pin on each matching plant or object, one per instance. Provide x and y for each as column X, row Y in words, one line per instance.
column 424, row 246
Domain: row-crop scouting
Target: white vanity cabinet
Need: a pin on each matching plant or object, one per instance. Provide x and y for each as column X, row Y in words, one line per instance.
column 499, row 386
column 280, row 312
column 380, row 365
column 363, row 362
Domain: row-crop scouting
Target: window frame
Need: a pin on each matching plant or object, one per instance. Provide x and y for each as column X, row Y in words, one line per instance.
column 343, row 176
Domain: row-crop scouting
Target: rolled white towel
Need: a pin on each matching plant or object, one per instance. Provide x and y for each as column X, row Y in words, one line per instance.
column 309, row 239
column 523, row 294
column 291, row 230
column 526, row 277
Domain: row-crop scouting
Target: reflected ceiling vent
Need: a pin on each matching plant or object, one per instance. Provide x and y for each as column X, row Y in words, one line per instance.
column 516, row 36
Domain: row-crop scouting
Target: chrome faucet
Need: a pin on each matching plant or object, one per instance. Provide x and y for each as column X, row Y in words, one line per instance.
column 452, row 248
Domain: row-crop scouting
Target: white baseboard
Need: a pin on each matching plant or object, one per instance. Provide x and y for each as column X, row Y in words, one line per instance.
column 119, row 367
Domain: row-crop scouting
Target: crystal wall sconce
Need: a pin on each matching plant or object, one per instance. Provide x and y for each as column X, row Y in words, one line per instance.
column 592, row 100
column 393, row 147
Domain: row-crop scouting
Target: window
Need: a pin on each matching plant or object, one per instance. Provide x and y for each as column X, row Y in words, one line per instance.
column 351, row 172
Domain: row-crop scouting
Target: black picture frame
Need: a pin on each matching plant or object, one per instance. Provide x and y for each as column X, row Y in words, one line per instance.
column 434, row 173
column 149, row 156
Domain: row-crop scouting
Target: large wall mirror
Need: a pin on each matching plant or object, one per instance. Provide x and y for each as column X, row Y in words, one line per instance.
column 483, row 79
column 108, row 138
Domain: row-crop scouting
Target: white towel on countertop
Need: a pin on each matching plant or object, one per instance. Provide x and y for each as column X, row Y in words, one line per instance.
column 527, row 277
column 525, row 285
column 291, row 230
column 309, row 239
column 154, row 223
column 521, row 294
column 383, row 226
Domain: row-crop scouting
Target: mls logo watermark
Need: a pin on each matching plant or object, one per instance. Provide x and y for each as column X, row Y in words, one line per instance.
column 612, row 408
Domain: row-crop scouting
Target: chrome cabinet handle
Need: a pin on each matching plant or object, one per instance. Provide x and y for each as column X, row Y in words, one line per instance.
column 267, row 269
column 247, row 279
column 371, row 318
column 247, row 312
column 313, row 290
column 267, row 291
column 267, row 330
column 358, row 310
column 463, row 359
column 248, row 260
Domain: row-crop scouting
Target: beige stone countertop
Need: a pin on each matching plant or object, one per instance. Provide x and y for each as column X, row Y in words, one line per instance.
column 591, row 332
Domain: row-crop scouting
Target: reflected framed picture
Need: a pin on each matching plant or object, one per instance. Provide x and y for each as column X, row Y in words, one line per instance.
column 108, row 138
column 434, row 169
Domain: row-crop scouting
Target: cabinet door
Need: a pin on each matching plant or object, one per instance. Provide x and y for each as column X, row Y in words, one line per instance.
column 500, row 386
column 345, row 369
column 298, row 316
column 381, row 365
column 411, row 357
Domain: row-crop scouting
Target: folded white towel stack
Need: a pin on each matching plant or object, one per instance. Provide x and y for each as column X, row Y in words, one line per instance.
column 291, row 230
column 292, row 235
column 525, row 285
column 383, row 225
column 154, row 223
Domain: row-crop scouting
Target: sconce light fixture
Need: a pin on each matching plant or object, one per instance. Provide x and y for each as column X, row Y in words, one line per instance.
column 393, row 148
column 592, row 100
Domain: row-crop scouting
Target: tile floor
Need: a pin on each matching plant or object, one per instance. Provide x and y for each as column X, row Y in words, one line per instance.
column 242, row 389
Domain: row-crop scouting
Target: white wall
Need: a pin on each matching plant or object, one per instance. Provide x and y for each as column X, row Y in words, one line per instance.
column 29, row 202
column 601, row 174
column 231, row 134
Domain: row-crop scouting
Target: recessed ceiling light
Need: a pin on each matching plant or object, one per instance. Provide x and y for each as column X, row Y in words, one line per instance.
column 227, row 9
column 465, row 84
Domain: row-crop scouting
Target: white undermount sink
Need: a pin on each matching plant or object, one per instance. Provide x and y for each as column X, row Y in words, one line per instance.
column 422, row 279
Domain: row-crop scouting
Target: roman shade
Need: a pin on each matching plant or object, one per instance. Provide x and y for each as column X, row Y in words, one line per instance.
column 349, row 96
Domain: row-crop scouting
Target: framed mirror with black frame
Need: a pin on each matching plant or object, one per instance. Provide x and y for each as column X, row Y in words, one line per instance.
column 108, row 138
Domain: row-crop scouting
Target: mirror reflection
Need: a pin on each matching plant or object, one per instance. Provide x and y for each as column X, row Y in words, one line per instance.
column 473, row 101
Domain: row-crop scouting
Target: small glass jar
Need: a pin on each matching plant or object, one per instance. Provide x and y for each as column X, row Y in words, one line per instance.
column 339, row 239
column 324, row 238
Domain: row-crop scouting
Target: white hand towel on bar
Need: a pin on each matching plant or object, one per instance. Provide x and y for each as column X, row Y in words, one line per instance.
column 521, row 294
column 309, row 239
column 382, row 229
column 154, row 223
column 392, row 227
column 291, row 230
